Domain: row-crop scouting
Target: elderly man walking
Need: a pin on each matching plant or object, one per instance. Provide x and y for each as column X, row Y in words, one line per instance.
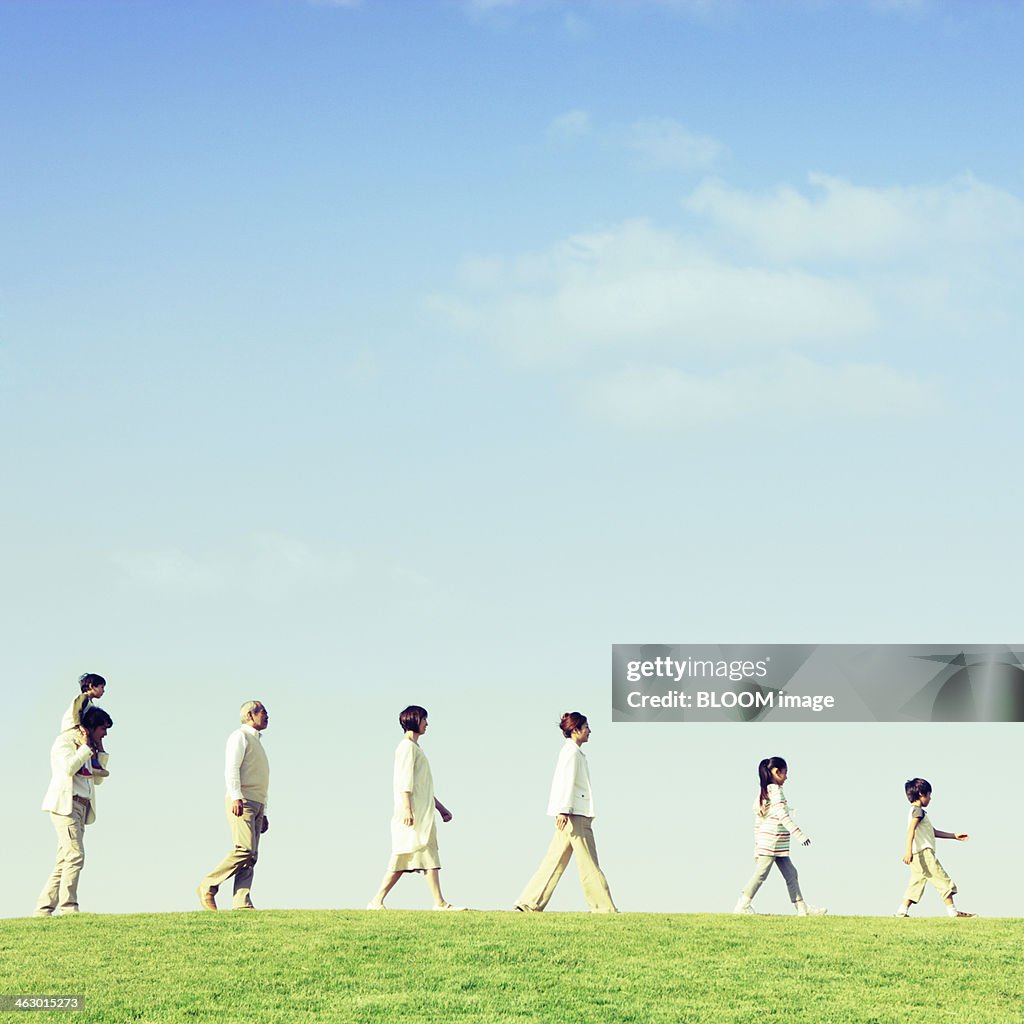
column 247, row 775
column 71, row 802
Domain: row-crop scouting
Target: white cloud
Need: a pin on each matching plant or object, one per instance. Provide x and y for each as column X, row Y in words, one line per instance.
column 575, row 26
column 663, row 142
column 365, row 369
column 270, row 566
column 660, row 397
column 169, row 570
column 280, row 565
column 790, row 302
column 654, row 142
column 484, row 6
column 686, row 6
column 689, row 8
column 635, row 290
column 840, row 221
column 898, row 5
column 573, row 124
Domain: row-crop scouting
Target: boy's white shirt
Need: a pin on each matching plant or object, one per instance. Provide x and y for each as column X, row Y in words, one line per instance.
column 70, row 720
column 924, row 834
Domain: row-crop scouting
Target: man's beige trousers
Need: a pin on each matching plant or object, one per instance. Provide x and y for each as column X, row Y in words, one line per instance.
column 245, row 833
column 62, row 885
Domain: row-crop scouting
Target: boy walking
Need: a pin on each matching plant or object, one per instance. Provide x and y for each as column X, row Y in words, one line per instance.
column 920, row 852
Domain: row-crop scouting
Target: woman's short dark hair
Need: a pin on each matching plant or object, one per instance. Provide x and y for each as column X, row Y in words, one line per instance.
column 89, row 680
column 917, row 788
column 571, row 721
column 95, row 716
column 412, row 718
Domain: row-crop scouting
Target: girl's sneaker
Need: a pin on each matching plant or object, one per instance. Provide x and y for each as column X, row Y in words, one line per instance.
column 803, row 910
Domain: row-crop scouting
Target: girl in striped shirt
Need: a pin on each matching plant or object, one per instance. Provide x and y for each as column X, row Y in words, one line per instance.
column 773, row 827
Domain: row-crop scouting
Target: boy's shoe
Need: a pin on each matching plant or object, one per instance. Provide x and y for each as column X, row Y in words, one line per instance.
column 743, row 906
column 961, row 913
column 374, row 905
column 901, row 913
column 447, row 906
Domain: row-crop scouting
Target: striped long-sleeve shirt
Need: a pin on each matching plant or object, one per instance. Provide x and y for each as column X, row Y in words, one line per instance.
column 773, row 826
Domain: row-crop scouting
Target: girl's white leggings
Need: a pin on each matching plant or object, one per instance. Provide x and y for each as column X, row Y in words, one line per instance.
column 761, row 869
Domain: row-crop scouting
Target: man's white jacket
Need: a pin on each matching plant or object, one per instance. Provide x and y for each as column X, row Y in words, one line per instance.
column 65, row 760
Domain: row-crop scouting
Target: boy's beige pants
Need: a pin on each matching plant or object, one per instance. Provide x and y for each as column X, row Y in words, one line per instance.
column 925, row 867
column 577, row 837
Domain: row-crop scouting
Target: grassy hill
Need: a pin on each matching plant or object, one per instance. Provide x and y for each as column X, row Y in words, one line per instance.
column 277, row 966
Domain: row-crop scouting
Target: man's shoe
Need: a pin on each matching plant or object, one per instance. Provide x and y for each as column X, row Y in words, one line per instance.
column 961, row 913
column 206, row 900
column 244, row 906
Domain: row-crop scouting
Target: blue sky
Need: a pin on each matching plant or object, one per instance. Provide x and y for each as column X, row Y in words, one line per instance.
column 354, row 355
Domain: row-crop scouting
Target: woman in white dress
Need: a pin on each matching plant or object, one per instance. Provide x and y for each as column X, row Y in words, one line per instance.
column 571, row 804
column 413, row 823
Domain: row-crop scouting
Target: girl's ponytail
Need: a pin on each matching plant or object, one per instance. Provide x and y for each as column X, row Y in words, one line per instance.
column 764, row 774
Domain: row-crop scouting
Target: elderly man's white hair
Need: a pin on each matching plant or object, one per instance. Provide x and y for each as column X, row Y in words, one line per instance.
column 247, row 708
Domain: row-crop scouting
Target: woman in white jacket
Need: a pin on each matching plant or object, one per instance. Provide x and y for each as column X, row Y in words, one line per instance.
column 572, row 805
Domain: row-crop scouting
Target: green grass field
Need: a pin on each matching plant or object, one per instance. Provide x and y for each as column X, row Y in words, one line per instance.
column 277, row 966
